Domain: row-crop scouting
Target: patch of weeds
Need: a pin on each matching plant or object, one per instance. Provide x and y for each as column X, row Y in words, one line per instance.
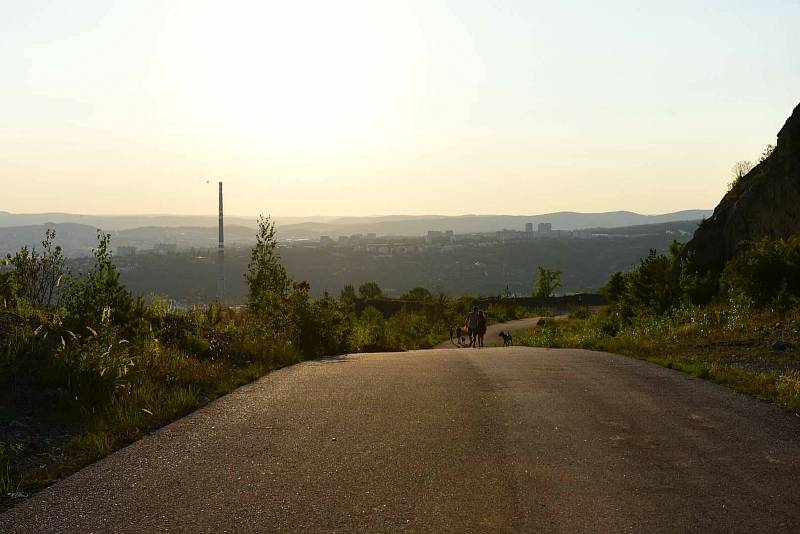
column 92, row 446
column 718, row 343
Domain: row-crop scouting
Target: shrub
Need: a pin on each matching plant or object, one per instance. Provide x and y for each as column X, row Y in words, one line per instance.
column 766, row 272
column 580, row 312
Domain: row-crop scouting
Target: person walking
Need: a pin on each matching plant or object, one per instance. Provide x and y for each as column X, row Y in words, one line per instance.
column 472, row 327
column 481, row 327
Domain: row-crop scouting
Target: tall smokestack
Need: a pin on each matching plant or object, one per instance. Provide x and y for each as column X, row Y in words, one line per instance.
column 221, row 254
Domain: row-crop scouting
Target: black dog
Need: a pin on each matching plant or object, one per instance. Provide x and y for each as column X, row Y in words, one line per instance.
column 507, row 339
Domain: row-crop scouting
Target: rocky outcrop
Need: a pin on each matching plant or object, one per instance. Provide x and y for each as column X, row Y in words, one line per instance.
column 765, row 202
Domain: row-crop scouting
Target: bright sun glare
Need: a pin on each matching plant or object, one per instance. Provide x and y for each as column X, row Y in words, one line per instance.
column 287, row 78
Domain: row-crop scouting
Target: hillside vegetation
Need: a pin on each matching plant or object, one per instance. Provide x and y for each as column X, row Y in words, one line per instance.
column 725, row 306
column 86, row 367
column 746, row 337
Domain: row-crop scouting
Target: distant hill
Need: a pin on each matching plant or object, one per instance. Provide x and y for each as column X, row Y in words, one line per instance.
column 126, row 222
column 311, row 227
column 486, row 268
column 479, row 223
column 77, row 239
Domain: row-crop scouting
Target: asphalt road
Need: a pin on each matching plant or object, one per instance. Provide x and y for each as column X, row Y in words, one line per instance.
column 492, row 336
column 526, row 440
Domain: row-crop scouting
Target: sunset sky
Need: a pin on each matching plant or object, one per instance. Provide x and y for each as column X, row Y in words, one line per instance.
column 378, row 107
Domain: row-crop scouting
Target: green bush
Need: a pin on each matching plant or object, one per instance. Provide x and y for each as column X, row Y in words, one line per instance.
column 766, row 272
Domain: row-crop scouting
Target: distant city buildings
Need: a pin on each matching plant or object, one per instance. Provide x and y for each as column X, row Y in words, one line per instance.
column 528, row 228
column 123, row 251
column 437, row 237
column 325, row 241
column 165, row 249
column 545, row 228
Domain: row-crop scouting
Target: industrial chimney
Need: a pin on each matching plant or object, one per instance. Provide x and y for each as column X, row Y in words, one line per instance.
column 221, row 254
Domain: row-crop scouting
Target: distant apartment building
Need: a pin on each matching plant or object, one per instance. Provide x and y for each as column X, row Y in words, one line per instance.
column 508, row 235
column 343, row 240
column 437, row 237
column 325, row 241
column 433, row 236
column 165, row 249
column 123, row 251
column 528, row 228
column 545, row 228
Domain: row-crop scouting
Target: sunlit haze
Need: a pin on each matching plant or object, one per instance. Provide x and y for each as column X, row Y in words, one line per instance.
column 356, row 108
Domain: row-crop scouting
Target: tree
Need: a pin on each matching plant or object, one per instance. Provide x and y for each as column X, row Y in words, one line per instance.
column 99, row 297
column 419, row 294
column 738, row 171
column 547, row 283
column 653, row 287
column 370, row 290
column 768, row 150
column 615, row 288
column 36, row 276
column 268, row 284
column 348, row 293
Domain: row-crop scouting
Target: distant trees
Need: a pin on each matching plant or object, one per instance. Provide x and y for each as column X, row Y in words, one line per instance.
column 418, row 294
column 738, row 171
column 768, row 150
column 741, row 168
column 546, row 284
column 370, row 290
column 348, row 293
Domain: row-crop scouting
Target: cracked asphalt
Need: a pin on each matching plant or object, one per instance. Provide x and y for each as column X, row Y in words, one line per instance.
column 491, row 440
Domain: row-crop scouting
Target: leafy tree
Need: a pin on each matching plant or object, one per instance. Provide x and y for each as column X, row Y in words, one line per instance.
column 549, row 280
column 99, row 297
column 652, row 286
column 614, row 288
column 370, row 290
column 419, row 294
column 35, row 277
column 268, row 284
column 766, row 272
column 697, row 286
column 321, row 326
column 348, row 293
column 8, row 286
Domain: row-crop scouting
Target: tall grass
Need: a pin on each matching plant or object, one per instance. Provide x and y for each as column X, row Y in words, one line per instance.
column 728, row 343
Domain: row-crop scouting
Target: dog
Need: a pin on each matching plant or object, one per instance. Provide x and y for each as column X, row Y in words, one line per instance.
column 507, row 339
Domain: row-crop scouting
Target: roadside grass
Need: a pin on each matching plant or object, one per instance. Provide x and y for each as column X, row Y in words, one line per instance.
column 70, row 403
column 726, row 344
column 71, row 397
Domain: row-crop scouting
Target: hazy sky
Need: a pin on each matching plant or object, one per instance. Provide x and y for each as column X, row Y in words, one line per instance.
column 356, row 108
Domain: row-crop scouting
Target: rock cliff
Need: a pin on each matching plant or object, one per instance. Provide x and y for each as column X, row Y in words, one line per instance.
column 765, row 202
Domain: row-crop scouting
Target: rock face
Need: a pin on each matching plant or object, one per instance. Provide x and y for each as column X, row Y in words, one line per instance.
column 765, row 202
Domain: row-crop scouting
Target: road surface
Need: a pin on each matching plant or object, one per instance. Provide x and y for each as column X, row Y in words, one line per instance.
column 492, row 337
column 517, row 439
